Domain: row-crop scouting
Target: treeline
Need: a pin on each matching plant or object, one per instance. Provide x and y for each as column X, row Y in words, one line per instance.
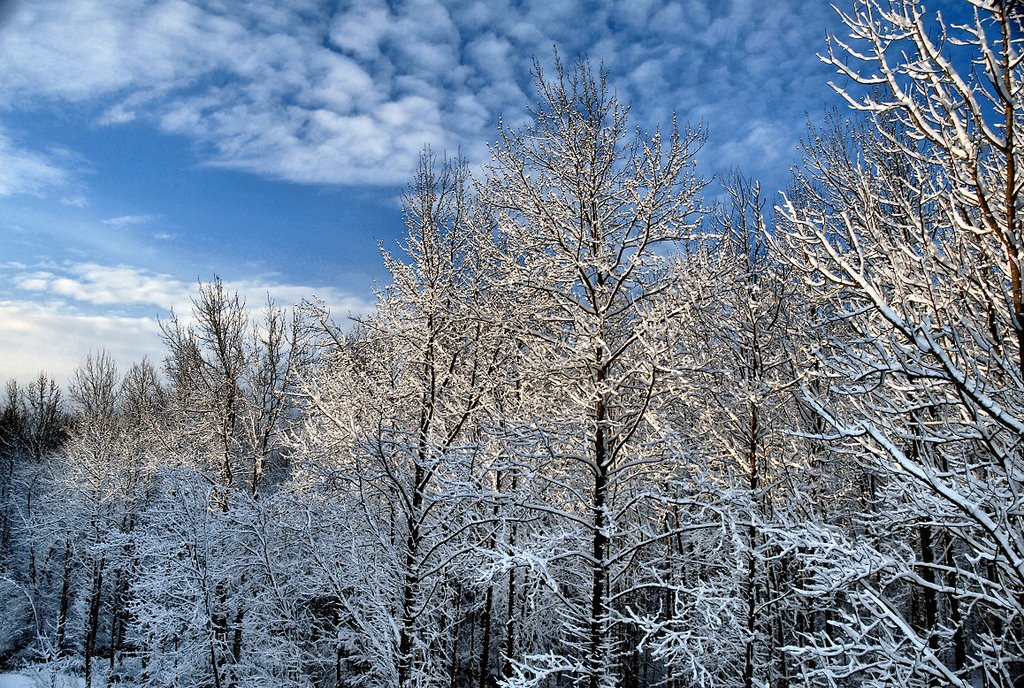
column 598, row 431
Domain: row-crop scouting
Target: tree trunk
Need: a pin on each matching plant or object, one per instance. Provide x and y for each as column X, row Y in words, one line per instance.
column 116, row 621
column 92, row 627
column 510, row 610
column 753, row 484
column 485, row 643
column 598, row 613
column 65, row 600
column 510, row 624
column 411, row 580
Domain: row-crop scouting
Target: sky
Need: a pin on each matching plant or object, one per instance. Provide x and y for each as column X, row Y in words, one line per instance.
column 149, row 144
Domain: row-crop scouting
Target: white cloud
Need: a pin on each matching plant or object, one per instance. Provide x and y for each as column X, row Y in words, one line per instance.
column 24, row 171
column 59, row 313
column 37, row 336
column 255, row 293
column 763, row 140
column 35, row 281
column 78, row 51
column 361, row 29
column 96, row 284
column 129, row 286
column 293, row 92
column 75, row 201
column 125, row 220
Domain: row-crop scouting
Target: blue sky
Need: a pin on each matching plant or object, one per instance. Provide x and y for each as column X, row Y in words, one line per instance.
column 146, row 144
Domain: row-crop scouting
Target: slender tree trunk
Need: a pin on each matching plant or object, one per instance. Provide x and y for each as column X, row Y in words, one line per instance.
column 453, row 630
column 215, row 663
column 215, row 630
column 1010, row 239
column 411, row 579
column 930, row 603
column 780, row 640
column 6, row 505
column 485, row 643
column 65, row 599
column 487, row 617
column 955, row 616
column 116, row 623
column 753, row 484
column 236, row 640
column 92, row 627
column 598, row 613
column 510, row 611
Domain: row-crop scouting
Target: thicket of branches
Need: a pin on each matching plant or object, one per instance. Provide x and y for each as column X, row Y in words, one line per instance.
column 599, row 431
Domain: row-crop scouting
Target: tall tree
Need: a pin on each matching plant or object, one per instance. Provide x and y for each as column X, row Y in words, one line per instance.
column 33, row 428
column 586, row 209
column 400, row 398
column 225, row 418
column 911, row 231
column 230, row 374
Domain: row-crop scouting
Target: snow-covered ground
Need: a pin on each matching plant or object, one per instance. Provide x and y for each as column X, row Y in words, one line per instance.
column 16, row 681
column 39, row 681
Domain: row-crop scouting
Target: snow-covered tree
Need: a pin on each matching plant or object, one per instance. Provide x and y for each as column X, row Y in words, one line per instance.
column 910, row 230
column 586, row 210
column 221, row 431
column 397, row 402
column 33, row 428
column 229, row 375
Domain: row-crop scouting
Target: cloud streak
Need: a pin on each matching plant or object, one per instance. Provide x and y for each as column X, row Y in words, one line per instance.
column 130, row 287
column 127, row 220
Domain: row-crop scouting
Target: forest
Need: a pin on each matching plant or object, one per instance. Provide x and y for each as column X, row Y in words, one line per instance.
column 611, row 424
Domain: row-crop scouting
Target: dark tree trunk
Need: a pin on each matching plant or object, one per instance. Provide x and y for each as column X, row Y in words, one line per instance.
column 510, row 625
column 411, row 580
column 65, row 599
column 485, row 642
column 598, row 630
column 92, row 627
column 753, row 484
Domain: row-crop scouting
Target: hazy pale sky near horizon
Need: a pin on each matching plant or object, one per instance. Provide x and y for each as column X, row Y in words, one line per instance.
column 148, row 144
